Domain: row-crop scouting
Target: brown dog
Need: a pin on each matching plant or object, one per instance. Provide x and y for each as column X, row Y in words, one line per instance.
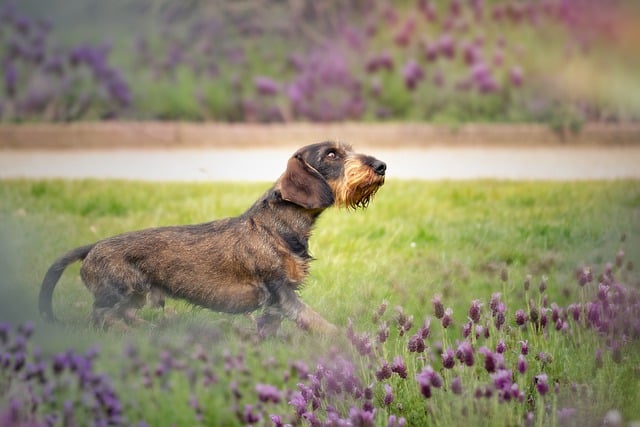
column 235, row 265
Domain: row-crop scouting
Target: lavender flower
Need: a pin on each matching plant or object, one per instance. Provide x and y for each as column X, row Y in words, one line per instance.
column 522, row 364
column 521, row 317
column 516, row 76
column 416, row 344
column 456, row 385
column 584, row 275
column 429, row 376
column 398, row 367
column 396, row 422
column 438, row 307
column 384, row 371
column 268, row 393
column 448, row 359
column 464, row 353
column 412, row 74
column 10, row 79
column 474, row 311
column 447, row 319
column 388, row 395
column 266, row 86
column 542, row 384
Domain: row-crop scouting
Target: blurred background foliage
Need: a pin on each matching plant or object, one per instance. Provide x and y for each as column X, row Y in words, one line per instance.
column 560, row 62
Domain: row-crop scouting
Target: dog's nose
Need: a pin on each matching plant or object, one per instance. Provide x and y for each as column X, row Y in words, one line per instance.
column 379, row 167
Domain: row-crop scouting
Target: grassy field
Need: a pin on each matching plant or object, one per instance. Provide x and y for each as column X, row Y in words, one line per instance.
column 418, row 242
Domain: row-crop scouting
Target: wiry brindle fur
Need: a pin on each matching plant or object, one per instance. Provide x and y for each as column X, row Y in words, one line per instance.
column 235, row 265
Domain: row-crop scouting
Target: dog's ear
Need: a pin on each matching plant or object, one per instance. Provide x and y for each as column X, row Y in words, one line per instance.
column 303, row 185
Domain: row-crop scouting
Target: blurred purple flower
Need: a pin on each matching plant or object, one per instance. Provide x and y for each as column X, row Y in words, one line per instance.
column 522, row 364
column 483, row 79
column 474, row 310
column 10, row 79
column 266, row 86
column 456, row 385
column 429, row 377
column 412, row 74
column 393, row 421
column 416, row 344
column 584, row 275
column 524, row 347
column 464, row 353
column 248, row 416
column 268, row 393
column 388, row 395
column 431, row 51
column 521, row 317
column 361, row 417
column 448, row 359
column 502, row 379
column 542, row 384
column 447, row 46
column 438, row 307
column 447, row 319
column 399, row 367
column 299, row 402
column 384, row 371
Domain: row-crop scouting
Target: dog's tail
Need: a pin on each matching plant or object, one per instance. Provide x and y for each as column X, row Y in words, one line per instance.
column 52, row 277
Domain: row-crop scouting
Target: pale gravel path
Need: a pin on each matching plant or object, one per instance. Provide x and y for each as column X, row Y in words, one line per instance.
column 435, row 163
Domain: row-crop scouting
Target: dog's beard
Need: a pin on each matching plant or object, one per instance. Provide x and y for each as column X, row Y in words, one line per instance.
column 358, row 187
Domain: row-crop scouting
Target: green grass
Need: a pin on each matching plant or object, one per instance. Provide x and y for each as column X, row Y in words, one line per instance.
column 416, row 240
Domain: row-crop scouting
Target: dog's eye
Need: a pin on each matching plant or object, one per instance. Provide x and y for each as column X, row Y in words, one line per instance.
column 332, row 155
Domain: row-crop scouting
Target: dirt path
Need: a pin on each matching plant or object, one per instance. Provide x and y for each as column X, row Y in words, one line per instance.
column 432, row 163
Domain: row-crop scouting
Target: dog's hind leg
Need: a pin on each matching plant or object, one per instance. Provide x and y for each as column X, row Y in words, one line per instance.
column 113, row 306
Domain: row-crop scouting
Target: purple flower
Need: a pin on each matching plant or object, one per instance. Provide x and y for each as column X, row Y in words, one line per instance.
column 501, row 347
column 542, row 384
column 10, row 79
column 362, row 418
column 416, row 344
column 522, row 364
column 521, row 317
column 464, row 353
column 584, row 275
column 396, row 422
column 384, row 372
column 492, row 361
column 448, row 359
column 299, row 402
column 456, row 385
column 543, row 284
column 383, row 61
column 447, row 319
column 516, row 77
column 388, row 395
column 412, row 74
column 268, row 393
column 429, row 377
column 447, row 46
column 474, row 311
column 438, row 307
column 276, row 420
column 248, row 416
column 399, row 367
column 425, row 329
column 266, row 86
column 431, row 51
column 502, row 379
column 524, row 347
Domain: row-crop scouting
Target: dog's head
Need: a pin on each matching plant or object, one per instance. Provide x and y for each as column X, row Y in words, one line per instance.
column 330, row 173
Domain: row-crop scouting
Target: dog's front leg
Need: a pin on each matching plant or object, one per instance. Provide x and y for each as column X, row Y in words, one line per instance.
column 305, row 317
